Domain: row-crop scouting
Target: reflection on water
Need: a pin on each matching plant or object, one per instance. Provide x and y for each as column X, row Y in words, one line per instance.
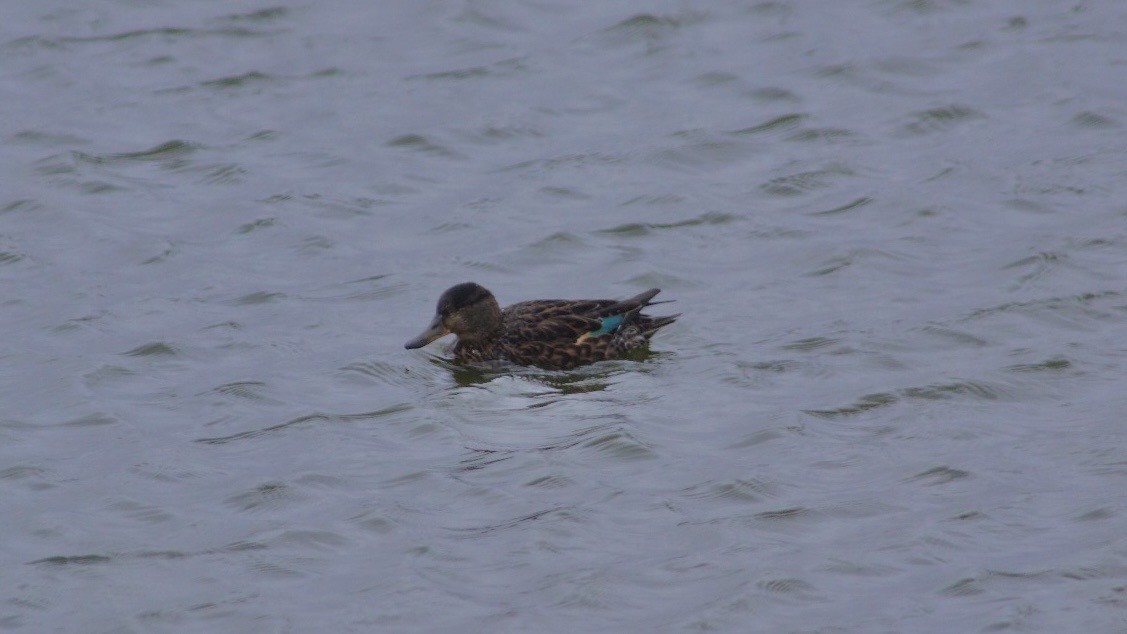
column 893, row 402
column 591, row 378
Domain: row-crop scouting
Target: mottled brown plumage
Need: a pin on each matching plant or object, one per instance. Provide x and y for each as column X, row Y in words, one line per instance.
column 547, row 333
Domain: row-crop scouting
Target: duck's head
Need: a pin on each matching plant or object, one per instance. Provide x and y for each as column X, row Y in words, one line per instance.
column 467, row 310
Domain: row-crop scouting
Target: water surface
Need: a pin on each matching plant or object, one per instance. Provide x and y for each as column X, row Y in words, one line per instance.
column 894, row 401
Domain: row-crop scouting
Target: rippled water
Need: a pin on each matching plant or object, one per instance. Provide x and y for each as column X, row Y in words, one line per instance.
column 894, row 401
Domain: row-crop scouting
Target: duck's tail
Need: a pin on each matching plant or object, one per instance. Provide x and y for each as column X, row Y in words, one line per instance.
column 649, row 325
column 645, row 324
column 627, row 306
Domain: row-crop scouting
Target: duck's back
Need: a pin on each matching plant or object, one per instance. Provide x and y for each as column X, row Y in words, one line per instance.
column 555, row 321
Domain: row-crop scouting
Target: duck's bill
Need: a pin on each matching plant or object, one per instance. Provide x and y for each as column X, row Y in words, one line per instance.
column 433, row 331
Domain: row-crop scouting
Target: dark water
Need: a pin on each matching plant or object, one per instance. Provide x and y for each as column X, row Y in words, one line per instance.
column 894, row 402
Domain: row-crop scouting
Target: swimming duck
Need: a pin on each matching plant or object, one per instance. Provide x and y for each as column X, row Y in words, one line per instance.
column 555, row 334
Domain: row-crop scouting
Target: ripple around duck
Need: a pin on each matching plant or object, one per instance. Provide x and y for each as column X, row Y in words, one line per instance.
column 249, row 78
column 504, row 68
column 305, row 421
column 1052, row 364
column 564, row 193
column 641, row 229
column 27, row 476
column 1036, row 267
column 592, row 379
column 1097, row 515
column 218, row 174
column 379, row 372
column 374, row 521
column 9, row 257
column 257, row 225
column 1098, row 571
column 976, row 389
column 741, row 491
column 756, row 438
column 852, row 205
column 315, row 540
column 557, row 242
column 268, row 14
column 802, row 183
column 1094, row 121
column 646, row 22
column 492, row 134
column 966, row 587
column 939, row 475
column 479, row 459
column 785, row 515
column 780, row 123
column 557, row 248
column 852, row 257
column 476, row 531
column 578, row 163
column 550, row 481
column 366, row 289
column 855, row 569
column 811, row 344
column 821, row 135
column 701, row 151
column 168, row 32
column 940, row 391
column 250, row 390
column 776, row 366
column 257, row 297
column 71, row 560
column 1076, row 310
column 48, row 139
column 939, row 119
column 772, row 94
column 268, row 496
column 90, row 420
column 864, row 404
column 789, row 586
column 456, row 74
column 141, row 512
column 173, row 150
column 948, row 336
column 420, row 143
column 617, row 444
column 94, row 560
column 649, row 29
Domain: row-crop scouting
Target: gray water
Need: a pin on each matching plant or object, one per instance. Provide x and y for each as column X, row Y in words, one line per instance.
column 895, row 401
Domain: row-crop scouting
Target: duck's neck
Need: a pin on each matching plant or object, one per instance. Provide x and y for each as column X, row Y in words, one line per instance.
column 480, row 341
column 481, row 325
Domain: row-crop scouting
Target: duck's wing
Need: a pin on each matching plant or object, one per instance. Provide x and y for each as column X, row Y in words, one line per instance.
column 551, row 330
column 562, row 334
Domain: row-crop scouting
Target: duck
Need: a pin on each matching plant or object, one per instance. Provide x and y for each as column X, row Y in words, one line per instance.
column 552, row 334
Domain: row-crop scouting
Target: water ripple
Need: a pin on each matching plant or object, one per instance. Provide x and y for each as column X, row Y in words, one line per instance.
column 168, row 32
column 269, row 496
column 804, row 182
column 938, row 391
column 940, row 119
column 742, row 491
column 304, row 421
column 635, row 229
column 777, row 124
column 940, row 475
